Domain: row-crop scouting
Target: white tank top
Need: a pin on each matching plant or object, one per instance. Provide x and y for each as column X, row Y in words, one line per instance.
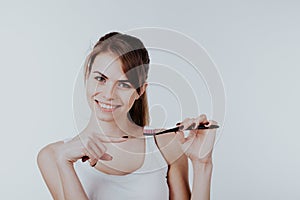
column 147, row 183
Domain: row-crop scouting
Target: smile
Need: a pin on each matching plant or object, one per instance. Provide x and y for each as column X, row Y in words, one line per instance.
column 106, row 107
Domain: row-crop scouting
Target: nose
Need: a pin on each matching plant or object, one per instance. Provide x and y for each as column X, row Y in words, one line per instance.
column 107, row 91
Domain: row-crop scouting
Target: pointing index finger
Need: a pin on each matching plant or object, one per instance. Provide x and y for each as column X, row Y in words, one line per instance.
column 107, row 139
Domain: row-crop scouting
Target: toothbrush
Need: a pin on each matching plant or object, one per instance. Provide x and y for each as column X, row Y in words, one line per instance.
column 175, row 129
column 150, row 132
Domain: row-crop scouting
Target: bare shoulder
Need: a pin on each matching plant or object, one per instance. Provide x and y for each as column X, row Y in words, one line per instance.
column 46, row 156
column 169, row 146
column 48, row 169
column 48, row 149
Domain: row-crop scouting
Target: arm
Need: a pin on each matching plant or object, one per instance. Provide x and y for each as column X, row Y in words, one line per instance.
column 72, row 187
column 179, row 184
column 198, row 146
column 201, row 180
column 49, row 171
column 60, row 176
column 177, row 177
column 56, row 163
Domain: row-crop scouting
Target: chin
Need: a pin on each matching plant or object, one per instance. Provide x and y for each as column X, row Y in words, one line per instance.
column 109, row 117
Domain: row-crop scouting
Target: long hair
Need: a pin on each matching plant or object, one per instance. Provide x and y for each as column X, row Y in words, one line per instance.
column 135, row 64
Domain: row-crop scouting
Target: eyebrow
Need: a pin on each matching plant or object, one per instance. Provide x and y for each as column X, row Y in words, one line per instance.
column 122, row 81
column 101, row 74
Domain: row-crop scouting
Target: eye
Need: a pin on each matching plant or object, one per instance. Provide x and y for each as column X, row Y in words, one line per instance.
column 100, row 78
column 124, row 85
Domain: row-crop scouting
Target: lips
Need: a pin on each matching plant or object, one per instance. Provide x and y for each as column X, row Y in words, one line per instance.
column 106, row 107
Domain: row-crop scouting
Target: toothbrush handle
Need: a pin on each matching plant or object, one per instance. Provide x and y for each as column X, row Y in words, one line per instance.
column 201, row 126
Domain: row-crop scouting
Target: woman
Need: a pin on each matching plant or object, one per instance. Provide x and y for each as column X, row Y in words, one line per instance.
column 123, row 163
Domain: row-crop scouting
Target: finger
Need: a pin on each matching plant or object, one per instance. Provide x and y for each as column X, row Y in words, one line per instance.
column 90, row 157
column 106, row 139
column 180, row 125
column 90, row 146
column 186, row 123
column 98, row 148
column 191, row 126
column 106, row 156
column 212, row 122
column 101, row 149
column 194, row 124
column 202, row 119
column 93, row 162
column 84, row 158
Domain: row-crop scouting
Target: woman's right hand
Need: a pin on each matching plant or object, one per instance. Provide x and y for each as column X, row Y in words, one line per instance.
column 89, row 145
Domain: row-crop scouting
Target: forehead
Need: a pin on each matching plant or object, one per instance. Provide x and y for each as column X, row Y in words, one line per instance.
column 109, row 65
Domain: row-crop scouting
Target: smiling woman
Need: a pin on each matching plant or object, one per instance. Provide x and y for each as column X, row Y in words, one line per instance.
column 113, row 93
column 124, row 163
column 128, row 54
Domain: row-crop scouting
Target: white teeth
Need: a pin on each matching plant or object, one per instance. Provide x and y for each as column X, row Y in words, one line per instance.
column 107, row 106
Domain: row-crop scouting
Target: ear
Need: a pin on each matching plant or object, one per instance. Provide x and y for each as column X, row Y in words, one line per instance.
column 142, row 90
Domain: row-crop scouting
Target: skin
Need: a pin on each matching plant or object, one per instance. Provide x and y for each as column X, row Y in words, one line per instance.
column 109, row 152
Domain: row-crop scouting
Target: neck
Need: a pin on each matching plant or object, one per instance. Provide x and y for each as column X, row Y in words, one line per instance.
column 113, row 128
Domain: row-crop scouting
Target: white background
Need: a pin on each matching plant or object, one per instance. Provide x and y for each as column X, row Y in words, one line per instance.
column 255, row 45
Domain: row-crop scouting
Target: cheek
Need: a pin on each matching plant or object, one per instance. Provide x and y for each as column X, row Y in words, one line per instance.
column 130, row 99
column 91, row 88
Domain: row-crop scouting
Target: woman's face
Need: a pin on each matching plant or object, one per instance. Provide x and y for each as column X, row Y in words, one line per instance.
column 109, row 93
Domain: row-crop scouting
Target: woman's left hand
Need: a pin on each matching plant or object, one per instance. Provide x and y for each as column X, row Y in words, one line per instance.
column 198, row 146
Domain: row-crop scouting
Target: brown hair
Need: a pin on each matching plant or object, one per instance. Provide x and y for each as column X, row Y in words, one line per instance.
column 135, row 64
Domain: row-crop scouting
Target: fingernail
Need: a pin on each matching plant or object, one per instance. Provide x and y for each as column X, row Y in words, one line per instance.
column 108, row 158
column 94, row 165
column 181, row 127
column 84, row 158
column 178, row 123
column 125, row 136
